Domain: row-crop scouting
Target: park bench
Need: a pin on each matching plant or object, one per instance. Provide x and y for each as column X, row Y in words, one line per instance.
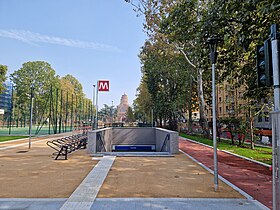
column 64, row 146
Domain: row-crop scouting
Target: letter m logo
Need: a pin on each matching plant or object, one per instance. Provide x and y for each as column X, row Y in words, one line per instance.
column 103, row 85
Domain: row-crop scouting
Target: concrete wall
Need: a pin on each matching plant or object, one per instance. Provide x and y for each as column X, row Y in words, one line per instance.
column 172, row 143
column 132, row 136
column 106, row 135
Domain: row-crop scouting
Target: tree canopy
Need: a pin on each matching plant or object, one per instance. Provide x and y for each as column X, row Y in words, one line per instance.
column 3, row 72
column 176, row 53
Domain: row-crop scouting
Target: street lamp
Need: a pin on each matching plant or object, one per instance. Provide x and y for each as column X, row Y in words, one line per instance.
column 213, row 43
column 31, row 111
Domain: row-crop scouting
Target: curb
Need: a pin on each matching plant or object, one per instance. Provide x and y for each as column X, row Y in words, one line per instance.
column 254, row 161
column 246, row 195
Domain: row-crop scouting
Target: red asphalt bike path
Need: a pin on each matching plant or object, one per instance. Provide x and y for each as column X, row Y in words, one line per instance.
column 252, row 178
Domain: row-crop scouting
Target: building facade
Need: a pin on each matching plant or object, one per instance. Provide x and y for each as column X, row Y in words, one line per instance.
column 122, row 108
column 6, row 98
column 229, row 102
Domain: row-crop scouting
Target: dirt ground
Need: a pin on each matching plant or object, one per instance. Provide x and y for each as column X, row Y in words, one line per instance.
column 34, row 173
column 161, row 177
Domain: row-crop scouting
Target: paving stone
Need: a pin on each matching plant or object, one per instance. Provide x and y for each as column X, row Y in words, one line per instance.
column 84, row 196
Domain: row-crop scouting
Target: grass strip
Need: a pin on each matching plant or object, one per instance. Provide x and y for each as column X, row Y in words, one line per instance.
column 262, row 154
column 8, row 138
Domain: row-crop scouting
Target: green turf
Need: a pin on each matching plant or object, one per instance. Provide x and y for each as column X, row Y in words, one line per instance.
column 261, row 154
column 25, row 130
column 8, row 138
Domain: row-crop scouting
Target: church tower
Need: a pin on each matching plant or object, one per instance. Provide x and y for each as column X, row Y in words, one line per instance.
column 122, row 108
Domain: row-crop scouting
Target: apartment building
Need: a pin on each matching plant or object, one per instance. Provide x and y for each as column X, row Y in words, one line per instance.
column 229, row 102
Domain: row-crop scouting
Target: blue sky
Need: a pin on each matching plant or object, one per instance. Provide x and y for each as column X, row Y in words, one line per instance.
column 90, row 39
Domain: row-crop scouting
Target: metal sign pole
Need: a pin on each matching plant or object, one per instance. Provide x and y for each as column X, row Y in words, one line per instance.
column 275, row 118
column 93, row 104
column 31, row 112
column 96, row 122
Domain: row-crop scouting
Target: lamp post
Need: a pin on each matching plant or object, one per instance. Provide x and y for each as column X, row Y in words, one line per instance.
column 112, row 113
column 213, row 43
column 31, row 111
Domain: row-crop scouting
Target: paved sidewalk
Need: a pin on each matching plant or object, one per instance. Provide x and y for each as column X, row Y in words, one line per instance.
column 135, row 204
column 83, row 197
column 254, row 179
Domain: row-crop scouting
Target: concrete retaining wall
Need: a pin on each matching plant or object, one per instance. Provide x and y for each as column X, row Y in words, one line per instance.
column 171, row 143
column 133, row 136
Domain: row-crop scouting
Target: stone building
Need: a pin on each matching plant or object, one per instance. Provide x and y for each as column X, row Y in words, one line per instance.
column 122, row 108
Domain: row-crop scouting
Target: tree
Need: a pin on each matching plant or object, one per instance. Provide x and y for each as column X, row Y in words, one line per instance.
column 164, row 73
column 186, row 25
column 76, row 85
column 76, row 106
column 3, row 71
column 178, row 24
column 107, row 113
column 143, row 102
column 129, row 115
column 38, row 75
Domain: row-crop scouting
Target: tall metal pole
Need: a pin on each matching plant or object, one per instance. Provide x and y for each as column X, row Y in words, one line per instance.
column 96, row 107
column 11, row 111
column 112, row 117
column 213, row 42
column 60, row 113
column 56, row 108
column 31, row 111
column 50, row 111
column 66, row 114
column 276, row 118
column 216, row 184
column 152, row 117
column 72, row 110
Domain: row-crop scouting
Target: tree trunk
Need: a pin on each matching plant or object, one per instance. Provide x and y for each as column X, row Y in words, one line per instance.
column 252, row 134
column 232, row 137
column 160, row 121
column 190, row 106
column 203, row 119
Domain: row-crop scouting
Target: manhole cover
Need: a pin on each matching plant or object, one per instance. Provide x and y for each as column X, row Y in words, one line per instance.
column 23, row 151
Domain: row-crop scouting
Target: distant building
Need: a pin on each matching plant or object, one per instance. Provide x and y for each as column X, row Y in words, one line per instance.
column 122, row 108
column 6, row 98
column 229, row 102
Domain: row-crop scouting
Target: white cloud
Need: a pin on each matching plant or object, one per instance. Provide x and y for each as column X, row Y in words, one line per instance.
column 32, row 38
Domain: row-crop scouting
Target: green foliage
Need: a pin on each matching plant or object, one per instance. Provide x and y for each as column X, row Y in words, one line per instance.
column 9, row 138
column 3, row 71
column 243, row 25
column 165, row 77
column 130, row 115
column 74, row 86
column 183, row 27
column 60, row 101
column 143, row 102
column 37, row 74
column 107, row 113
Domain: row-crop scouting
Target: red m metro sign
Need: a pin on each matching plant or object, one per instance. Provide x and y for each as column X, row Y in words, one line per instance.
column 103, row 85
